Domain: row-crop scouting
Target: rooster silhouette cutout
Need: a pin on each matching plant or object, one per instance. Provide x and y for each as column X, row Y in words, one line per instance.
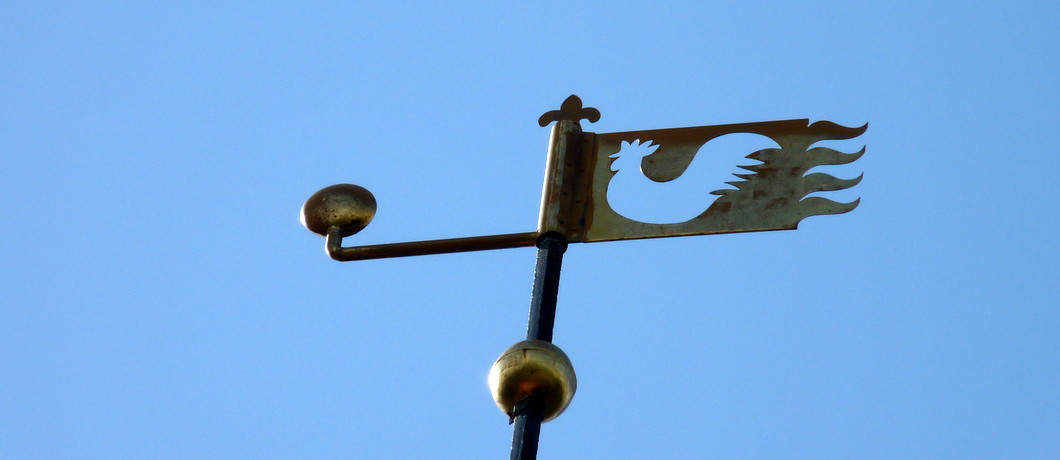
column 772, row 192
column 649, row 187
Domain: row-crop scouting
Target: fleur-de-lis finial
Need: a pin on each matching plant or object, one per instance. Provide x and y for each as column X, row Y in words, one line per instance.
column 571, row 109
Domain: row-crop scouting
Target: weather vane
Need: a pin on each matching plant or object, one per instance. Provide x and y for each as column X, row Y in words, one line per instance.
column 533, row 381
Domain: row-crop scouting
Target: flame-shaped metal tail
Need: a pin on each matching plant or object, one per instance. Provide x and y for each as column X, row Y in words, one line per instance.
column 817, row 206
column 821, row 182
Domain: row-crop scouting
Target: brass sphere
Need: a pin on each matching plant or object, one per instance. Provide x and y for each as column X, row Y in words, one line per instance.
column 533, row 367
column 347, row 206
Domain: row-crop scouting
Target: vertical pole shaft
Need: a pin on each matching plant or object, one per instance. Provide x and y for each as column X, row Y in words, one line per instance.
column 551, row 247
column 561, row 166
column 529, row 412
column 527, row 429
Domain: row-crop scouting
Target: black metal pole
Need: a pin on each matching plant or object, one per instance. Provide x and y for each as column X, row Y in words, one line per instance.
column 527, row 429
column 529, row 412
column 550, row 249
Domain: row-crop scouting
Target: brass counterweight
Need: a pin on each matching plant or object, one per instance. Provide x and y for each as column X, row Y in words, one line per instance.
column 533, row 367
column 346, row 206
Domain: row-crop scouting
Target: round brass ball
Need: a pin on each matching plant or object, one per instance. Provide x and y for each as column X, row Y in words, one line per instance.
column 533, row 367
column 346, row 206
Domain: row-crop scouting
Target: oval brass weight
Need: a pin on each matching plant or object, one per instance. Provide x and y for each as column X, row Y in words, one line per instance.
column 346, row 206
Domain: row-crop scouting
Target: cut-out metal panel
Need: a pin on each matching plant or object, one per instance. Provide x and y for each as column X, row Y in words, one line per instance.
column 772, row 195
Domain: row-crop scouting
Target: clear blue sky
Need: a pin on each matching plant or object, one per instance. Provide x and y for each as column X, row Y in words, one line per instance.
column 159, row 298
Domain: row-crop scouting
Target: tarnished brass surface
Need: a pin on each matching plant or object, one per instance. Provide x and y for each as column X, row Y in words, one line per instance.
column 561, row 174
column 563, row 197
column 346, row 207
column 533, row 367
column 421, row 248
column 772, row 196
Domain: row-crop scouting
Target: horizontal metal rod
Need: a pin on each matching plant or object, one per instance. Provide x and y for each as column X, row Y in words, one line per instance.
column 420, row 248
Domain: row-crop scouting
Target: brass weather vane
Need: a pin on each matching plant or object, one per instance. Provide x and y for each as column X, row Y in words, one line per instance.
column 533, row 381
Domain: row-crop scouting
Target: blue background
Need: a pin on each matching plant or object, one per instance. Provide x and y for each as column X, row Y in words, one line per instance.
column 160, row 300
